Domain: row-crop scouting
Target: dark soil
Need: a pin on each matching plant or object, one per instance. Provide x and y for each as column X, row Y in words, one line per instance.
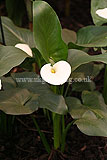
column 25, row 143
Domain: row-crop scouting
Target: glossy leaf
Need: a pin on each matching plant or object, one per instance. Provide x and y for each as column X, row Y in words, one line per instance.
column 92, row 36
column 27, row 65
column 76, row 109
column 18, row 101
column 46, row 99
column 91, row 116
column 95, row 5
column 14, row 34
column 89, row 70
column 24, row 93
column 83, row 71
column 96, row 70
column 95, row 102
column 72, row 45
column 81, row 86
column 10, row 57
column 82, row 77
column 76, row 58
column 92, row 126
column 47, row 32
column 38, row 58
column 8, row 83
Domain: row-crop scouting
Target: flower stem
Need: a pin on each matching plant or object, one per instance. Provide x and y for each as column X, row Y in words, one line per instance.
column 64, row 135
column 57, row 130
column 66, row 91
column 63, row 123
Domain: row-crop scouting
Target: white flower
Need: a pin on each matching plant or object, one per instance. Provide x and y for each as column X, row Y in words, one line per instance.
column 102, row 13
column 25, row 48
column 56, row 74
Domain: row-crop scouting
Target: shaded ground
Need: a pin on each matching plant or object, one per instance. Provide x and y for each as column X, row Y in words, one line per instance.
column 79, row 14
column 25, row 144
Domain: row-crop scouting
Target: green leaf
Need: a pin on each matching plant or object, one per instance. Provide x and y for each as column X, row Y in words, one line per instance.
column 24, row 93
column 92, row 126
column 83, row 71
column 71, row 45
column 8, row 83
column 76, row 109
column 91, row 116
column 14, row 34
column 83, row 75
column 68, row 36
column 95, row 102
column 27, row 64
column 18, row 101
column 96, row 70
column 10, row 57
column 47, row 32
column 92, row 36
column 38, row 58
column 16, row 10
column 77, row 58
column 46, row 99
column 81, row 86
column 95, row 5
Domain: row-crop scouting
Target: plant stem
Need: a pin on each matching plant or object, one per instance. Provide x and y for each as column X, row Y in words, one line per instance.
column 57, row 130
column 63, row 123
column 62, row 89
column 43, row 138
column 66, row 91
column 46, row 113
column 64, row 135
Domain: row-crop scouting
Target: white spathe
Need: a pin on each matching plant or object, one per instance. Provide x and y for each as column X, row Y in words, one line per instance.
column 102, row 13
column 25, row 48
column 57, row 74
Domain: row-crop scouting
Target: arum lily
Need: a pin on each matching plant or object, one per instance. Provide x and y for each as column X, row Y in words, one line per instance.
column 25, row 48
column 56, row 74
column 102, row 13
